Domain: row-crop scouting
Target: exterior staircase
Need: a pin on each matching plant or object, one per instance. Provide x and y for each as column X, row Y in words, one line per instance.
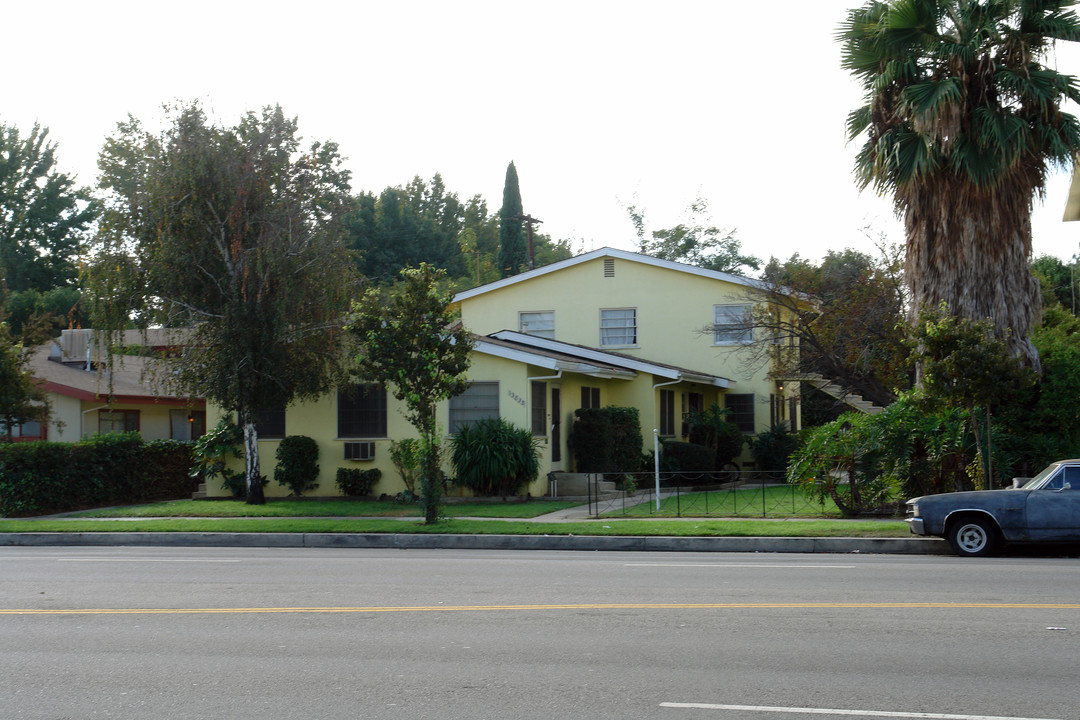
column 200, row 493
column 830, row 388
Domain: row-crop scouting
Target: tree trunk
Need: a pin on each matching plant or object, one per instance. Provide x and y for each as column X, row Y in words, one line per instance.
column 252, row 476
column 970, row 249
column 430, row 487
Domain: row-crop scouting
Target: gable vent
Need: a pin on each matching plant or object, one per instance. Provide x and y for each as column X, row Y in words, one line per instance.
column 609, row 267
column 359, row 451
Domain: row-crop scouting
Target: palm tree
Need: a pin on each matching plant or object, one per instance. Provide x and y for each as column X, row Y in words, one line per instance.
column 963, row 122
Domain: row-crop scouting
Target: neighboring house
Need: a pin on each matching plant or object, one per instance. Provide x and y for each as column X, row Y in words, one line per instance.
column 83, row 402
column 605, row 328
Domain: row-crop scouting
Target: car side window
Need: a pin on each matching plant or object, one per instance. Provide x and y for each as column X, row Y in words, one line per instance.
column 1072, row 476
column 1057, row 482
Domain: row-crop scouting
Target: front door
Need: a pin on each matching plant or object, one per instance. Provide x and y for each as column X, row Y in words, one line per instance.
column 556, row 427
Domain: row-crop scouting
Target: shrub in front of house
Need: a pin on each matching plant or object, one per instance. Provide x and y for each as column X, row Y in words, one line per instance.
column 297, row 464
column 606, row 440
column 691, row 464
column 355, row 482
column 38, row 478
column 493, row 457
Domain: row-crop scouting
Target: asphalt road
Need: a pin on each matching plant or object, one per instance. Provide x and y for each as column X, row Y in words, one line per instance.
column 322, row 633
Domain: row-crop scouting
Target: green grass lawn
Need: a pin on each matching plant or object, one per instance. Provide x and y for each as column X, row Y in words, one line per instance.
column 677, row 528
column 780, row 501
column 282, row 507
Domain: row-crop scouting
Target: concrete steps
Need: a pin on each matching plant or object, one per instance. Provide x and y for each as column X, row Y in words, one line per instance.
column 577, row 485
column 200, row 493
column 830, row 388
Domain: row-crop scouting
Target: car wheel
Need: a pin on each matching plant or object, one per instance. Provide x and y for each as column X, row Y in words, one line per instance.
column 973, row 537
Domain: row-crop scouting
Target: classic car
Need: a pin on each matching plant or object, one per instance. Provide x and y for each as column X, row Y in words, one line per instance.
column 1046, row 508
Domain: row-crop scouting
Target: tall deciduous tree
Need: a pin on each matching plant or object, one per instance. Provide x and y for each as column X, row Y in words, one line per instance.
column 513, row 255
column 695, row 242
column 235, row 232
column 43, row 215
column 410, row 342
column 21, row 400
column 405, row 226
column 962, row 121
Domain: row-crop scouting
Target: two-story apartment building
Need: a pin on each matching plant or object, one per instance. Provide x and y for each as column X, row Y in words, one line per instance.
column 608, row 327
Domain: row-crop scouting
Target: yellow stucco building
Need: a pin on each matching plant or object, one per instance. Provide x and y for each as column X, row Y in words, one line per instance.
column 608, row 327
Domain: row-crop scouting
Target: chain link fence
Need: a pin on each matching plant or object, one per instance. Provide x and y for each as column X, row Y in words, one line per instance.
column 718, row 494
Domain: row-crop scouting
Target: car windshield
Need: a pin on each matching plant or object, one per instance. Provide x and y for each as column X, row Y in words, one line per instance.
column 1038, row 479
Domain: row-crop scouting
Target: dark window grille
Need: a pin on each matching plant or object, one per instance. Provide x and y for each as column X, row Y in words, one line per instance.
column 362, row 411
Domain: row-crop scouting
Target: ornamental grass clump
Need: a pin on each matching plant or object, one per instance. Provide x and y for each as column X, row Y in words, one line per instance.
column 494, row 458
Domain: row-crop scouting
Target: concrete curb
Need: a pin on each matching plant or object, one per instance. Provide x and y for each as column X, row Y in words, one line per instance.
column 406, row 541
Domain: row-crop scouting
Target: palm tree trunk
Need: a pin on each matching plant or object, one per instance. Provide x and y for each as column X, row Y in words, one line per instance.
column 970, row 249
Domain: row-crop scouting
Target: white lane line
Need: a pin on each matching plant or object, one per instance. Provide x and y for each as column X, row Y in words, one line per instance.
column 740, row 565
column 833, row 711
column 158, row 560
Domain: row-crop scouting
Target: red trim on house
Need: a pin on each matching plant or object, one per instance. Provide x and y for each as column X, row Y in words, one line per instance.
column 78, row 394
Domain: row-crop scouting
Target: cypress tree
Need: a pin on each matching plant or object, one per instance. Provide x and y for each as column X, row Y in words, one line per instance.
column 513, row 255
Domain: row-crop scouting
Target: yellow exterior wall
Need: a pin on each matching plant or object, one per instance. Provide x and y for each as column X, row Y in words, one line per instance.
column 673, row 308
column 65, row 420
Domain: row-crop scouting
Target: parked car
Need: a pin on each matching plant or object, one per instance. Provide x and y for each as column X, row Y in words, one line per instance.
column 1046, row 508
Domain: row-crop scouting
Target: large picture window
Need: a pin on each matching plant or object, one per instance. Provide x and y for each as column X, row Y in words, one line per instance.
column 118, row 421
column 362, row 411
column 731, row 325
column 270, row 422
column 741, row 406
column 479, row 401
column 618, row 326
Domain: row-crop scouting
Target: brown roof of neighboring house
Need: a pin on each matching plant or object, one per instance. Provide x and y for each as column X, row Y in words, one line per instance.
column 132, row 379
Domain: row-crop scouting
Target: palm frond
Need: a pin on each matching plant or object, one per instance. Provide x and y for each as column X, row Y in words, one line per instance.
column 858, row 121
column 929, row 97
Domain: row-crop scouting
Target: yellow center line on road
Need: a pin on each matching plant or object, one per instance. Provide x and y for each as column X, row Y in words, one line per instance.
column 575, row 606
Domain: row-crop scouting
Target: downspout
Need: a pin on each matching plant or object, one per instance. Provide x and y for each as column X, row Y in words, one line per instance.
column 82, row 419
column 656, row 441
column 528, row 394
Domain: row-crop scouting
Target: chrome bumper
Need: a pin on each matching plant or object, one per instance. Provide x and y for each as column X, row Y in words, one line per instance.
column 915, row 525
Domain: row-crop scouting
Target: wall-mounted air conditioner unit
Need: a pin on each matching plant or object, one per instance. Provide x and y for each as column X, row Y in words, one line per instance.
column 359, row 451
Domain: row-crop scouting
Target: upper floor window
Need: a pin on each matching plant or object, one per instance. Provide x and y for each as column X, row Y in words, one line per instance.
column 731, row 325
column 540, row 324
column 618, row 326
column 362, row 411
column 480, row 400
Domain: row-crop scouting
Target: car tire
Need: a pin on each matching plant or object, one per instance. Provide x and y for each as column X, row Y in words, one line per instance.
column 973, row 537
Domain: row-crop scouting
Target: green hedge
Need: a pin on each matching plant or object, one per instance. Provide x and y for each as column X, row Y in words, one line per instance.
column 38, row 478
column 606, row 440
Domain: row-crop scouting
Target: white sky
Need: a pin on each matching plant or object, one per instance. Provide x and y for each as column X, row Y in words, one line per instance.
column 598, row 104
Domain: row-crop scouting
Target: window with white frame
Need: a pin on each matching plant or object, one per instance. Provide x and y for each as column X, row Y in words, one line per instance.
column 479, row 401
column 540, row 324
column 618, row 326
column 731, row 325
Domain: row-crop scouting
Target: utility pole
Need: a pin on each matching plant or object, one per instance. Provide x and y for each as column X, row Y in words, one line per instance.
column 529, row 222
